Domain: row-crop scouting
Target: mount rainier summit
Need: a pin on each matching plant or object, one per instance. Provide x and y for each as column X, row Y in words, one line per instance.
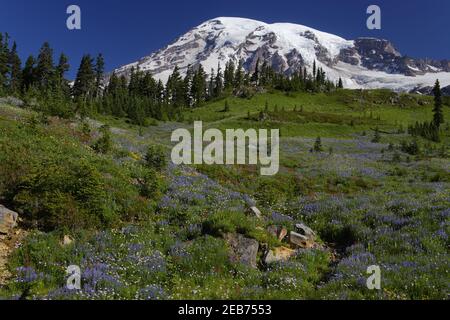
column 362, row 63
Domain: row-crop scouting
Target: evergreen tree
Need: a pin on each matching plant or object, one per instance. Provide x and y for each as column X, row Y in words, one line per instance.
column 340, row 83
column 175, row 91
column 84, row 85
column 45, row 68
column 29, row 74
column 188, row 79
column 376, row 137
column 99, row 70
column 239, row 76
column 198, row 89
column 218, row 82
column 255, row 76
column 63, row 66
column 61, row 69
column 438, row 116
column 211, row 85
column 314, row 69
column 318, row 145
column 4, row 54
column 229, row 75
column 15, row 71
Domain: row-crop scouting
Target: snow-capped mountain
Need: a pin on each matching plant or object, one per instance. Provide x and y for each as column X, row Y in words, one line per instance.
column 361, row 63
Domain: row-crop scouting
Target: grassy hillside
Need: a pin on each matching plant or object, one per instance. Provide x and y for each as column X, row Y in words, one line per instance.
column 140, row 233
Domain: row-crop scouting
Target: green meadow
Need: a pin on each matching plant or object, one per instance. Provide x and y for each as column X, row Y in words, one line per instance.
column 143, row 228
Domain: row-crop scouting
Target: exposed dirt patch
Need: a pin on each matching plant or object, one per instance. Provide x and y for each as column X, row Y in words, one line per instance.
column 7, row 246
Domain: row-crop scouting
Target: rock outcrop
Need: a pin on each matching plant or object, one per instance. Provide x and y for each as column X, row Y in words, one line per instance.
column 8, row 220
column 242, row 250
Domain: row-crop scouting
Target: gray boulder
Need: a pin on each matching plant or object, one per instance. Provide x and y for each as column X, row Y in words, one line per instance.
column 8, row 220
column 305, row 231
column 279, row 254
column 242, row 250
column 300, row 240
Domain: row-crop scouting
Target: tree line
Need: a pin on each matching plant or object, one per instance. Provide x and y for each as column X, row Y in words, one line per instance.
column 42, row 84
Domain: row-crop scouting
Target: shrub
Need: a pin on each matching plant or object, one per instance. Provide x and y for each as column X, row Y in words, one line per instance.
column 70, row 195
column 151, row 183
column 156, row 157
column 55, row 182
column 104, row 144
column 411, row 148
column 318, row 145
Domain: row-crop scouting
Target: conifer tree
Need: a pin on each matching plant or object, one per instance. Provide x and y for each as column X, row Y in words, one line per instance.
column 29, row 74
column 84, row 85
column 63, row 66
column 4, row 53
column 229, row 75
column 211, row 85
column 218, row 82
column 45, row 68
column 15, row 70
column 255, row 76
column 239, row 76
column 318, row 145
column 438, row 116
column 61, row 69
column 188, row 79
column 198, row 89
column 99, row 70
column 314, row 69
column 376, row 137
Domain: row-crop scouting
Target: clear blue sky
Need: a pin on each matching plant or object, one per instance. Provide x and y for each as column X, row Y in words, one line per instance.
column 125, row 31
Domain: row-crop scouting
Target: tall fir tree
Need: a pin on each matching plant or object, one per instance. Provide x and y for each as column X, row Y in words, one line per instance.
column 29, row 74
column 438, row 115
column 229, row 75
column 188, row 79
column 61, row 69
column 45, row 68
column 84, row 85
column 218, row 82
column 198, row 89
column 255, row 75
column 239, row 75
column 99, row 72
column 4, row 54
column 15, row 71
column 63, row 66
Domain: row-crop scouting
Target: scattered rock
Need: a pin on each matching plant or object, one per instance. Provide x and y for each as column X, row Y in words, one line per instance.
column 67, row 240
column 8, row 220
column 12, row 101
column 279, row 254
column 255, row 211
column 242, row 250
column 306, row 231
column 300, row 240
column 278, row 232
column 282, row 234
